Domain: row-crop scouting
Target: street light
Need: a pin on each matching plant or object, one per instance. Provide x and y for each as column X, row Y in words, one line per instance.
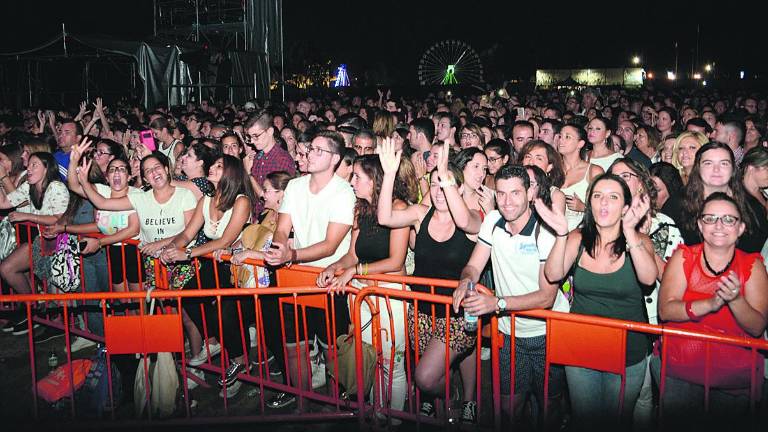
column 635, row 60
column 671, row 75
column 697, row 76
column 708, row 68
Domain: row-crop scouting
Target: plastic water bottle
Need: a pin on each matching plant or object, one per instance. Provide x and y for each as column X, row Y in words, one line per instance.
column 470, row 320
column 53, row 360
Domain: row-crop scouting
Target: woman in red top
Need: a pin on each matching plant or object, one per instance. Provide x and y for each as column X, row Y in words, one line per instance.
column 712, row 287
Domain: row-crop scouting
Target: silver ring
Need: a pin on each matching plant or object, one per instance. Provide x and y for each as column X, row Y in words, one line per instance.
column 734, row 290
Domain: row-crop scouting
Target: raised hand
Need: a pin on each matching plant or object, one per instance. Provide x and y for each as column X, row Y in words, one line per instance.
column 638, row 209
column 83, row 111
column 487, row 199
column 390, row 159
column 553, row 217
column 442, row 162
column 79, row 150
column 419, row 164
column 83, row 170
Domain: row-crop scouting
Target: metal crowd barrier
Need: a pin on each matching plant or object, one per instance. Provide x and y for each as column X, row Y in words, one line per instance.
column 575, row 340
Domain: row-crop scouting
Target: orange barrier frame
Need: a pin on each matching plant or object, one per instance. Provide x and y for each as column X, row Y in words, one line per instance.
column 595, row 335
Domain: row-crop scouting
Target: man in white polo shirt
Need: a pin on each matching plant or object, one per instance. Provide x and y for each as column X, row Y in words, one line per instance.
column 518, row 246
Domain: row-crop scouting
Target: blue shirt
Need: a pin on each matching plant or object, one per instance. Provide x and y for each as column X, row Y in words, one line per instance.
column 63, row 160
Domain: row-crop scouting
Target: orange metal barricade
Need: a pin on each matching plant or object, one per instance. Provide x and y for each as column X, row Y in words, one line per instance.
column 584, row 341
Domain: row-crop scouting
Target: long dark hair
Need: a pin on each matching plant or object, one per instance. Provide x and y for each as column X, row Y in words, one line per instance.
column 589, row 234
column 234, row 182
column 693, row 197
column 36, row 194
column 371, row 166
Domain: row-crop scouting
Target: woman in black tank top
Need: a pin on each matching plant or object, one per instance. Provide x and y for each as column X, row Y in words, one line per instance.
column 444, row 241
column 375, row 249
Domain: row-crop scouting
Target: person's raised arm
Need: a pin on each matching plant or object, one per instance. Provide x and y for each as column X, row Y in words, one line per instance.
column 386, row 214
column 98, row 201
column 465, row 219
column 639, row 246
column 74, row 163
column 566, row 246
column 99, row 107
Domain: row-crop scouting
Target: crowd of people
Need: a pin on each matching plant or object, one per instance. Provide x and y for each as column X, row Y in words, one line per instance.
column 639, row 205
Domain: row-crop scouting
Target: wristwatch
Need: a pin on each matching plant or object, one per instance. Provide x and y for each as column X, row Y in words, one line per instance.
column 501, row 305
column 188, row 253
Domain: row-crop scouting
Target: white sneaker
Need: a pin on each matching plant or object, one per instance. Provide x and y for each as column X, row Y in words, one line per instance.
column 81, row 343
column 191, row 384
column 232, row 390
column 202, row 356
column 485, row 354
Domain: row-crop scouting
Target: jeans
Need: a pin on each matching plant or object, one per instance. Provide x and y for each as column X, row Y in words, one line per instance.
column 595, row 395
column 96, row 274
column 683, row 402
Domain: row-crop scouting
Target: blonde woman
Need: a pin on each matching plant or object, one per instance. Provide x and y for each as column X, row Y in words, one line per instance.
column 684, row 152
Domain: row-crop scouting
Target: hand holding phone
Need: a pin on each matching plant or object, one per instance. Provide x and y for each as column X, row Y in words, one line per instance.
column 146, row 138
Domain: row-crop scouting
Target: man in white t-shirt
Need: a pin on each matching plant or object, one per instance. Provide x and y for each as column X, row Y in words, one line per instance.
column 319, row 207
column 518, row 246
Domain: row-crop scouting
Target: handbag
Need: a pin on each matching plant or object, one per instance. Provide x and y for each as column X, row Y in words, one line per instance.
column 347, row 364
column 730, row 366
column 162, row 383
column 65, row 264
column 7, row 239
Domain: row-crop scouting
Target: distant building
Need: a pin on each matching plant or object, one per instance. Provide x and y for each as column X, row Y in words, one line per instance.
column 625, row 77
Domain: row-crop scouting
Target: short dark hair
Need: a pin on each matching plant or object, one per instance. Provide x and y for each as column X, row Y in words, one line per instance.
column 700, row 122
column 514, row 171
column 425, row 126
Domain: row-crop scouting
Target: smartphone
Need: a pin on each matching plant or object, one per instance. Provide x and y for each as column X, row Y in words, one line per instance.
column 82, row 245
column 146, row 138
column 520, row 114
column 426, row 155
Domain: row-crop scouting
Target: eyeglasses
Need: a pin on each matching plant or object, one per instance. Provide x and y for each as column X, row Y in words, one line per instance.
column 251, row 138
column 627, row 176
column 318, row 151
column 727, row 220
column 100, row 153
column 117, row 169
column 468, row 135
column 495, row 159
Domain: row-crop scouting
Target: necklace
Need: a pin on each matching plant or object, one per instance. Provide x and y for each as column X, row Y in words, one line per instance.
column 709, row 267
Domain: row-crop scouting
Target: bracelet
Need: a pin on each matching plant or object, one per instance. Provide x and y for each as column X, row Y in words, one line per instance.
column 358, row 270
column 447, row 183
column 365, row 269
column 689, row 311
column 632, row 246
column 98, row 241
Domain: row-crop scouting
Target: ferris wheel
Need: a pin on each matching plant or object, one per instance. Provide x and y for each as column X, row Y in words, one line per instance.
column 450, row 62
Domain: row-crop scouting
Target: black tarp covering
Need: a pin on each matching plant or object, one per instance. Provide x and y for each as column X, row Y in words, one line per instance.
column 166, row 77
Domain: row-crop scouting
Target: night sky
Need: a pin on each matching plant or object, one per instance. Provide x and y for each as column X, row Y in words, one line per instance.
column 514, row 38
